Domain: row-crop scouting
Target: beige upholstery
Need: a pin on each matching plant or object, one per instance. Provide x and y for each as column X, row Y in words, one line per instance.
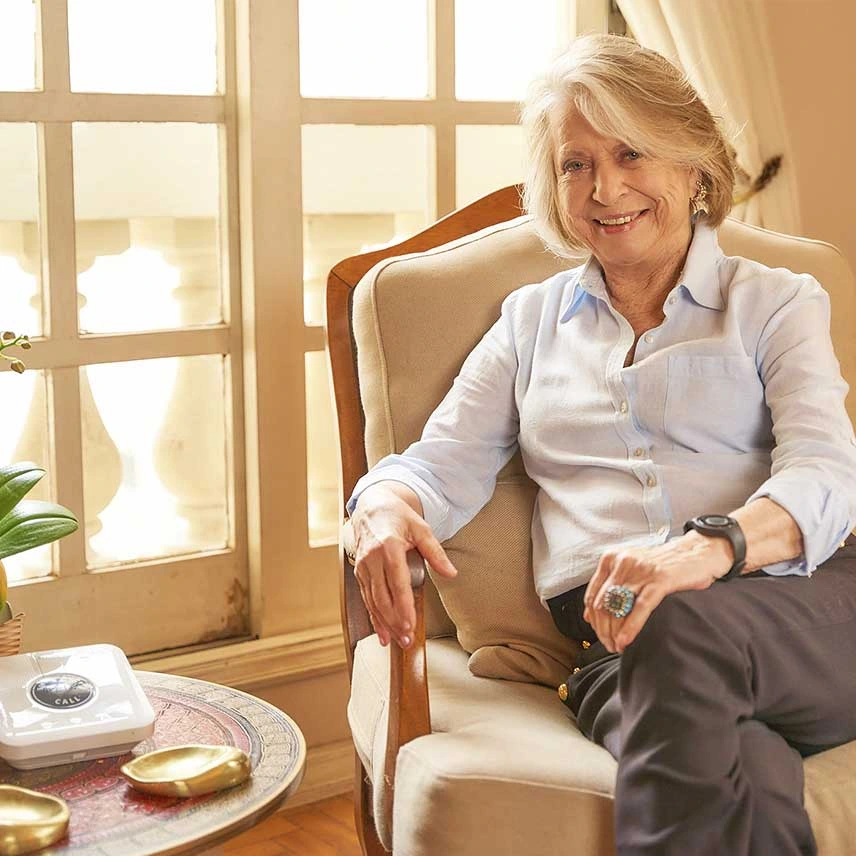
column 507, row 773
column 505, row 770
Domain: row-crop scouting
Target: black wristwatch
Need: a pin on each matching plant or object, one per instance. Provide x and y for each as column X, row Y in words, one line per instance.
column 720, row 526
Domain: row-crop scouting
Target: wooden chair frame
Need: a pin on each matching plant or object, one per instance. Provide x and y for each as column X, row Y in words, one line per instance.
column 408, row 704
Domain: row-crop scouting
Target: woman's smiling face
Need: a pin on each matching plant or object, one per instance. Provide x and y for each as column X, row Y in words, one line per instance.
column 630, row 209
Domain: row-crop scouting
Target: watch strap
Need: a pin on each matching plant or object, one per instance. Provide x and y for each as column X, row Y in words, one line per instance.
column 730, row 531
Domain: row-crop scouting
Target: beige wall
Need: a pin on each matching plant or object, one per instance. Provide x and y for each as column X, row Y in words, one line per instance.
column 815, row 57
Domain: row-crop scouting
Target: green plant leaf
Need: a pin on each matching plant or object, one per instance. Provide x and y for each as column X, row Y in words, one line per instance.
column 16, row 480
column 32, row 523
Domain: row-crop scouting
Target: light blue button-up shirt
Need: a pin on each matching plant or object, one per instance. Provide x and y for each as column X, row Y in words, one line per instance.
column 736, row 395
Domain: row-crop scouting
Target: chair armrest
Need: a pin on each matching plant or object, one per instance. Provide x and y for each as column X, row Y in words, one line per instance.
column 408, row 705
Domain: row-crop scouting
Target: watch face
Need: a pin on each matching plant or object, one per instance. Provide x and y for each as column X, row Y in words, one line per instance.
column 715, row 520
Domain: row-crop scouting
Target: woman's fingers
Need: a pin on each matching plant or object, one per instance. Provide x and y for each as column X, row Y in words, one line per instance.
column 432, row 551
column 591, row 596
column 386, row 589
column 380, row 628
column 401, row 594
column 639, row 575
column 604, row 567
column 399, row 625
column 385, row 531
column 647, row 600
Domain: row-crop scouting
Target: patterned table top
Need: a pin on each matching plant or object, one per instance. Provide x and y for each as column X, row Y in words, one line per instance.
column 110, row 818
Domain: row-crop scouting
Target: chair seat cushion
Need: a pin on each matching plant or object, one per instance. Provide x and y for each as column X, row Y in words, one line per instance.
column 506, row 771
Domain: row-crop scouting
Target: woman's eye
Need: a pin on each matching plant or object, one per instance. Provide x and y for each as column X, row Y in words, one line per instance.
column 633, row 155
column 572, row 166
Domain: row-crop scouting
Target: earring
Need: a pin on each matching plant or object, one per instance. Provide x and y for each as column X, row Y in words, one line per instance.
column 699, row 209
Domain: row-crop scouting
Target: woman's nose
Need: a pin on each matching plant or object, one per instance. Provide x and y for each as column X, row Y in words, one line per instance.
column 608, row 184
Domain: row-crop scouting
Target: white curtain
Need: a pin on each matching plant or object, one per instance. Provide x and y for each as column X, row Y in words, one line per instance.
column 724, row 48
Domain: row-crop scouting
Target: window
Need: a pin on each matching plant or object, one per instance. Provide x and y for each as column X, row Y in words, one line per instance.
column 177, row 389
column 119, row 258
column 384, row 154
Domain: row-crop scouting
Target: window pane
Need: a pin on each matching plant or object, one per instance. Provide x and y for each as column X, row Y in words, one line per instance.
column 155, row 458
column 20, row 267
column 489, row 157
column 500, row 45
column 24, row 437
column 146, row 203
column 17, row 45
column 368, row 49
column 159, row 46
column 322, row 453
column 362, row 187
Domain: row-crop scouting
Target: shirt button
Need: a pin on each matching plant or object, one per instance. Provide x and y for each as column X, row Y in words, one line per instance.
column 672, row 299
column 638, row 452
column 623, row 407
column 652, row 482
column 649, row 338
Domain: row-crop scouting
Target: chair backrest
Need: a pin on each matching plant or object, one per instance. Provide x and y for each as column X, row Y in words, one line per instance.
column 414, row 320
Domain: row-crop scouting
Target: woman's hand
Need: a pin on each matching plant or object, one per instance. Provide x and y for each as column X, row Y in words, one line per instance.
column 386, row 526
column 693, row 561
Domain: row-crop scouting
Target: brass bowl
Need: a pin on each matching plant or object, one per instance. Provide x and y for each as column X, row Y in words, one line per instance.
column 188, row 771
column 29, row 820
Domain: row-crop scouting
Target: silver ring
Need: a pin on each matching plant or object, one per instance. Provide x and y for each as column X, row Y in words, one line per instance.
column 618, row 601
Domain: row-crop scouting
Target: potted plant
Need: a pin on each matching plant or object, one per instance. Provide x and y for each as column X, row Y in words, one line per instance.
column 24, row 523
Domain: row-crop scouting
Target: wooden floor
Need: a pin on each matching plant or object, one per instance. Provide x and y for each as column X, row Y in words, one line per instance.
column 324, row 828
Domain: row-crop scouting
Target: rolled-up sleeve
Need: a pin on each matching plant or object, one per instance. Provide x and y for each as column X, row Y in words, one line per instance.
column 469, row 437
column 813, row 473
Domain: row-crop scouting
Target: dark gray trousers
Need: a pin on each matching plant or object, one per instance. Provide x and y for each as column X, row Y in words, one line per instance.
column 710, row 710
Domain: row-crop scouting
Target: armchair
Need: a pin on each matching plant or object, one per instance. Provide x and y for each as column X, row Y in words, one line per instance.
column 462, row 744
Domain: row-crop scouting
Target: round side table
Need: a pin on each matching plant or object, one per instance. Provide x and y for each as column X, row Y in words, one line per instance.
column 110, row 818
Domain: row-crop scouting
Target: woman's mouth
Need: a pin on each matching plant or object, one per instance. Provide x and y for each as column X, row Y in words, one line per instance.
column 620, row 222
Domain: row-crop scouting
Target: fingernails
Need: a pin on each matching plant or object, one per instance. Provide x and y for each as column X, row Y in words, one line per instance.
column 405, row 641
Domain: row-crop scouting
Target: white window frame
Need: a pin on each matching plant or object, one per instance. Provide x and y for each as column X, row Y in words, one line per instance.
column 170, row 602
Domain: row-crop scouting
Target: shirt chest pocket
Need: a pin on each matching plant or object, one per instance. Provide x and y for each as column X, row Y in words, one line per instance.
column 716, row 404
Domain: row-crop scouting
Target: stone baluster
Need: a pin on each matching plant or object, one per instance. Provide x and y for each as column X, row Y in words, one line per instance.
column 103, row 470
column 190, row 453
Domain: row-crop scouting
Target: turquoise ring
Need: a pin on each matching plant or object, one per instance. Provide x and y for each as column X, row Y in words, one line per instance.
column 618, row 601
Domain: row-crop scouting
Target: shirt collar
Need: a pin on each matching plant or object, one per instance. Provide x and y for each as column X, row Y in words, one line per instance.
column 699, row 276
column 589, row 280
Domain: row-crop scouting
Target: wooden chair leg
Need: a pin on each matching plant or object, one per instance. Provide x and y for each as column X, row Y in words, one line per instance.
column 363, row 820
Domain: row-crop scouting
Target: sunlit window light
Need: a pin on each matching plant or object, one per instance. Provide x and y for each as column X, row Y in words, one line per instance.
column 17, row 45
column 111, row 45
column 133, row 290
column 19, row 312
column 348, row 47
column 129, row 291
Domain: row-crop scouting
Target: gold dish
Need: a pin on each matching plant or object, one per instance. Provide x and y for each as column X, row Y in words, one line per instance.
column 188, row 771
column 29, row 820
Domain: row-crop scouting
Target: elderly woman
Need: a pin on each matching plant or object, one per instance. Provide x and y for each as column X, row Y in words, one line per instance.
column 682, row 413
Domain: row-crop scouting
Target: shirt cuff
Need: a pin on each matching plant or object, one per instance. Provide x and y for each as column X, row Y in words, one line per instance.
column 813, row 508
column 435, row 511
